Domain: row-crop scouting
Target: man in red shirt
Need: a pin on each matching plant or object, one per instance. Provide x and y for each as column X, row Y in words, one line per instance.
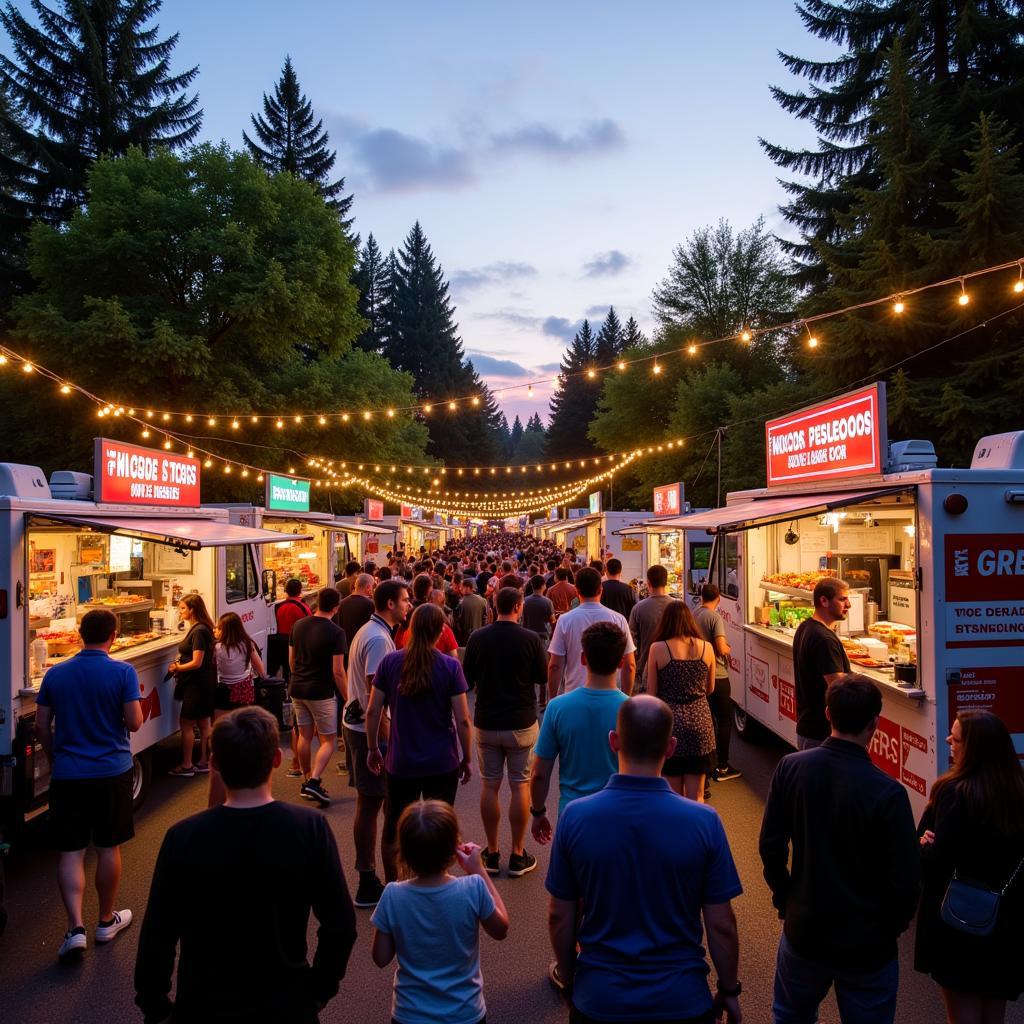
column 292, row 608
column 422, row 585
column 562, row 594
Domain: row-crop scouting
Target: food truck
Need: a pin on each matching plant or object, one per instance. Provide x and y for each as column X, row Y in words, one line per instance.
column 414, row 530
column 934, row 559
column 593, row 533
column 132, row 539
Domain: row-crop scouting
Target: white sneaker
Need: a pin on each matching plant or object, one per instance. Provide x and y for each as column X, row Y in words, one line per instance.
column 73, row 946
column 122, row 918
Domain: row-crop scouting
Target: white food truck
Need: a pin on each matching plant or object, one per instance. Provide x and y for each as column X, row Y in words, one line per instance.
column 934, row 559
column 131, row 539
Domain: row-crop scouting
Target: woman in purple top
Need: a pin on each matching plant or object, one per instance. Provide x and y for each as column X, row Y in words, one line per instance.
column 425, row 693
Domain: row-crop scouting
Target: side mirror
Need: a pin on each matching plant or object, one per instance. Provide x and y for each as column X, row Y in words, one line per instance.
column 269, row 583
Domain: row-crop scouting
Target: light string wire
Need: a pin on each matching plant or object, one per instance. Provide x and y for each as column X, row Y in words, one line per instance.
column 428, row 407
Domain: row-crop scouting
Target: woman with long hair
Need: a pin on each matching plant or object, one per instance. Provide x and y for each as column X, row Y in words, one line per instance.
column 425, row 693
column 681, row 671
column 238, row 662
column 195, row 675
column 973, row 826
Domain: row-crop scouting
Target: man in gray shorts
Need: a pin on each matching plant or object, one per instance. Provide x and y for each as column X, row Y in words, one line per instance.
column 506, row 663
column 371, row 644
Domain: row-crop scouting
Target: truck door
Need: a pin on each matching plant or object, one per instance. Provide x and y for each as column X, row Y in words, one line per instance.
column 239, row 590
column 727, row 571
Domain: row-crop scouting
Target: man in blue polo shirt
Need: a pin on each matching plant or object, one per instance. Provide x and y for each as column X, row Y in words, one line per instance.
column 632, row 896
column 84, row 711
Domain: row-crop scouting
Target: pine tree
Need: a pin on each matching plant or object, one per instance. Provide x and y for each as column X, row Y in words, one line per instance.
column 422, row 338
column 968, row 53
column 371, row 278
column 608, row 344
column 531, row 444
column 515, row 435
column 575, row 400
column 632, row 336
column 289, row 140
column 91, row 80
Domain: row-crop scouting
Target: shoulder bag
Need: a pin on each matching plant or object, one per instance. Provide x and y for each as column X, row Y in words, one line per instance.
column 972, row 907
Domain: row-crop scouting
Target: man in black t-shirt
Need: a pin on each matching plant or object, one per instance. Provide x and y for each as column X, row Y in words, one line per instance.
column 356, row 609
column 818, row 659
column 506, row 663
column 232, row 889
column 615, row 594
column 316, row 653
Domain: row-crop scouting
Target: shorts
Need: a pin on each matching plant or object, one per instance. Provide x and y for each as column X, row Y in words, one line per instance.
column 403, row 792
column 229, row 696
column 198, row 701
column 321, row 713
column 360, row 777
column 498, row 747
column 97, row 811
column 693, row 764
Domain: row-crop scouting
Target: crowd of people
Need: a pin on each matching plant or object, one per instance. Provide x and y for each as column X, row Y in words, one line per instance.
column 566, row 666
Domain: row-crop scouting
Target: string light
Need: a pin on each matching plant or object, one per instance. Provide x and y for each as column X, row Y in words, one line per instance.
column 591, row 373
column 65, row 390
column 812, row 341
column 745, row 335
column 27, row 367
column 1018, row 285
column 692, row 349
column 621, row 364
column 656, row 368
column 899, row 305
column 963, row 298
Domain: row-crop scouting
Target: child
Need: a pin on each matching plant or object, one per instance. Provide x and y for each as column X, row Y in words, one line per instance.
column 431, row 921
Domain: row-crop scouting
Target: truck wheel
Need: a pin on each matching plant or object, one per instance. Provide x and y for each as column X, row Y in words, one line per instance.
column 745, row 726
column 142, row 775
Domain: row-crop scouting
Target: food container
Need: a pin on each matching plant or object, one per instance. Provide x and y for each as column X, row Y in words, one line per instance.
column 906, row 675
column 876, row 650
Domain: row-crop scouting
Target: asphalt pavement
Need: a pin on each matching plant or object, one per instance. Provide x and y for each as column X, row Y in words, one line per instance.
column 34, row 989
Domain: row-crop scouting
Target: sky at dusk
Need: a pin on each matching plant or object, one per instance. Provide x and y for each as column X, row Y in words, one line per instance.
column 553, row 152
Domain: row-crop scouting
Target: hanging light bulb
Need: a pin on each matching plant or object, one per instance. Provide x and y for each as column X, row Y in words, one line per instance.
column 235, row 424
column 656, row 369
column 367, row 415
column 167, row 445
column 475, row 400
column 899, row 305
column 391, row 413
column 621, row 364
column 745, row 335
column 692, row 349
column 963, row 298
column 1018, row 285
column 3, row 359
column 65, row 390
column 321, row 420
column 344, row 417
column 145, row 433
column 279, row 424
column 591, row 373
column 529, row 389
column 254, row 419
column 211, row 422
column 427, row 409
column 27, row 367
column 451, row 406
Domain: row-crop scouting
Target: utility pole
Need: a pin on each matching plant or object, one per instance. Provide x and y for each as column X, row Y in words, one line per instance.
column 718, row 438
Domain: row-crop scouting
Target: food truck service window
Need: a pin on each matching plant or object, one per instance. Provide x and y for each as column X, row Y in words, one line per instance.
column 241, row 581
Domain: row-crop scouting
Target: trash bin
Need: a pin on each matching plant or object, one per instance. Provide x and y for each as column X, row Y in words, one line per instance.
column 270, row 695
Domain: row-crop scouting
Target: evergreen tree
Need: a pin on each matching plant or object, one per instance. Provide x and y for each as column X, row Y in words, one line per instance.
column 531, row 445
column 608, row 343
column 515, row 436
column 91, row 79
column 969, row 54
column 422, row 339
column 574, row 401
column 632, row 336
column 371, row 278
column 290, row 140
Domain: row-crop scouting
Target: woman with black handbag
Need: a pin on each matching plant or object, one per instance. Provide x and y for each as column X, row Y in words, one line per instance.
column 970, row 925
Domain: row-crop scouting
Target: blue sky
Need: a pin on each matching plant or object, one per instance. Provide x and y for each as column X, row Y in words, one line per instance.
column 554, row 152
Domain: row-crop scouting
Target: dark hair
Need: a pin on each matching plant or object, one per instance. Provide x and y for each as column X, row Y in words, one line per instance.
column 97, row 626
column 370, row 566
column 244, row 742
column 588, row 582
column 328, row 599
column 537, row 582
column 561, row 573
column 197, row 606
column 853, row 701
column 710, row 592
column 604, row 645
column 421, row 587
column 293, row 587
column 351, row 568
column 597, row 565
column 507, row 600
column 677, row 621
column 428, row 832
column 388, row 591
column 552, row 564
column 987, row 775
column 233, row 635
column 657, row 576
column 468, row 581
column 644, row 727
column 383, row 573
column 828, row 588
column 614, row 566
column 425, row 628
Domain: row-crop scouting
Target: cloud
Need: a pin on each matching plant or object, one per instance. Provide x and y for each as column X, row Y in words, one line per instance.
column 491, row 367
column 550, row 368
column 606, row 264
column 493, row 273
column 559, row 327
column 521, row 320
column 598, row 310
column 394, row 161
column 596, row 137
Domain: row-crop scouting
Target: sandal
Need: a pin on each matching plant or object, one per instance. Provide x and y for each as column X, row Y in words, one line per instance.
column 202, row 769
column 181, row 772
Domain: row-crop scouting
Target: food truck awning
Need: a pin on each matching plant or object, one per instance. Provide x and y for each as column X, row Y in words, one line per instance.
column 573, row 524
column 362, row 528
column 649, row 526
column 766, row 511
column 191, row 534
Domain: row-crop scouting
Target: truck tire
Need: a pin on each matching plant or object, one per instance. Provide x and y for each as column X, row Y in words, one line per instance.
column 142, row 775
column 745, row 726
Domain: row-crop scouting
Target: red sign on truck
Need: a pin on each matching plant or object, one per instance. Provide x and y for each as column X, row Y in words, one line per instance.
column 984, row 575
column 668, row 500
column 125, row 474
column 844, row 437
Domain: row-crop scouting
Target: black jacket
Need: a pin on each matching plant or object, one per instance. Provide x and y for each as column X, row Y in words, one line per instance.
column 853, row 885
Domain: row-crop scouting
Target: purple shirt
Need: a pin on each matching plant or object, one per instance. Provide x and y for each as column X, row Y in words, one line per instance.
column 423, row 737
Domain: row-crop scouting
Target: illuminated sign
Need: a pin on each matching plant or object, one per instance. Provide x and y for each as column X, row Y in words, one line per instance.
column 668, row 500
column 286, row 494
column 845, row 437
column 595, row 502
column 125, row 474
column 373, row 509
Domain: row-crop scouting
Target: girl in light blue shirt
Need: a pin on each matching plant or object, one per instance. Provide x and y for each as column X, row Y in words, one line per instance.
column 431, row 921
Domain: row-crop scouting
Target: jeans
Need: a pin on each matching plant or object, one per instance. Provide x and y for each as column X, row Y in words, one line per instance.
column 863, row 997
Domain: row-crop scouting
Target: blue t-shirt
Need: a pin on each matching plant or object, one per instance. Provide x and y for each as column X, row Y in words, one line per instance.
column 642, row 883
column 87, row 695
column 437, row 944
column 575, row 730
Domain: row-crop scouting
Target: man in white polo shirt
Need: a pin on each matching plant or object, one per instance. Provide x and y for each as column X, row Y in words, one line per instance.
column 566, row 671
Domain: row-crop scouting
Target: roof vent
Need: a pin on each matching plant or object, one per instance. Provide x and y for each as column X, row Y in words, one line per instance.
column 911, row 456
column 71, row 486
column 18, row 481
column 1000, row 451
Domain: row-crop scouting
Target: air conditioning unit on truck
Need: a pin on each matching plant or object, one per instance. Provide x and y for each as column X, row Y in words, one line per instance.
column 133, row 539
